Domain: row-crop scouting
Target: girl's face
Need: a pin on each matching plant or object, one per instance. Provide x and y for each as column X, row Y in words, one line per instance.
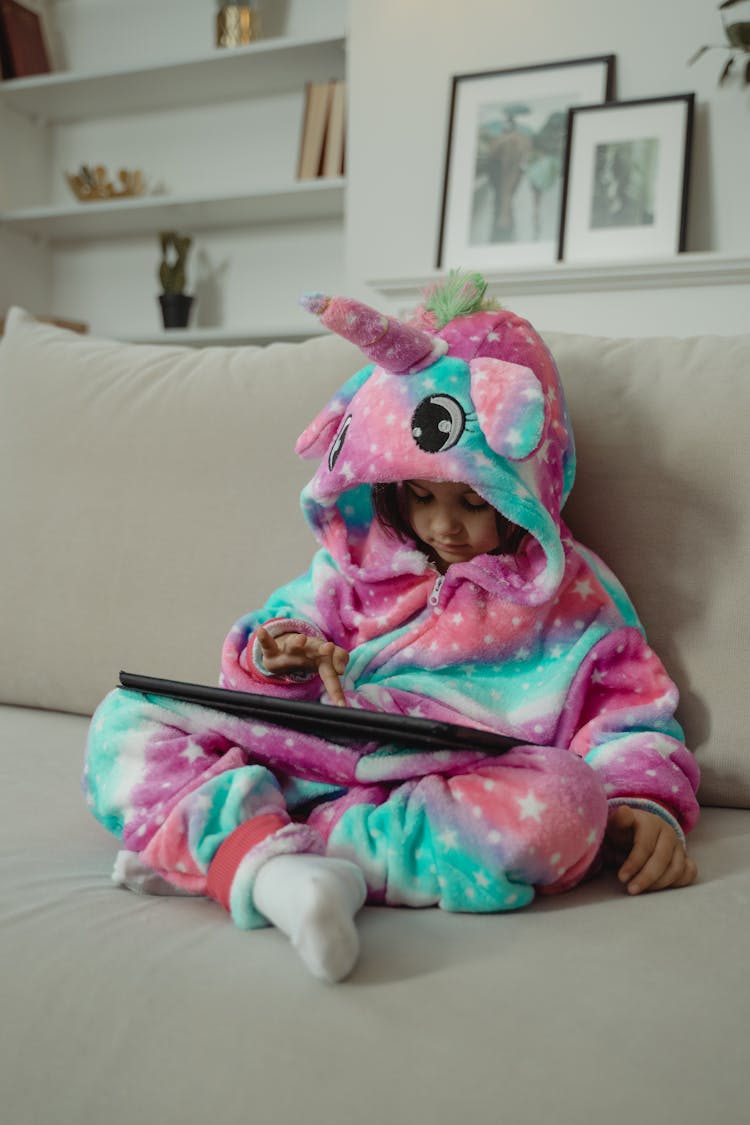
column 451, row 519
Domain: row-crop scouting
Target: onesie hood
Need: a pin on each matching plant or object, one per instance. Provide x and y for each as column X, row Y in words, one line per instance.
column 464, row 391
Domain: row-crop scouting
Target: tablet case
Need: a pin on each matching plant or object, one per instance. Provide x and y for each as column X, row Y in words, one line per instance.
column 338, row 724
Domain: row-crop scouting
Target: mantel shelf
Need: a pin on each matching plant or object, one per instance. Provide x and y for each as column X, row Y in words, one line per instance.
column 267, row 67
column 296, row 201
column 693, row 269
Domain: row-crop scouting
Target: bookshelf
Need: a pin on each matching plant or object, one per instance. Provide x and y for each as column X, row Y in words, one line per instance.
column 262, row 69
column 308, row 200
column 271, row 202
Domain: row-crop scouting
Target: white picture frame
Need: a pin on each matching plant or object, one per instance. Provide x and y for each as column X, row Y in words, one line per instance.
column 627, row 172
column 504, row 160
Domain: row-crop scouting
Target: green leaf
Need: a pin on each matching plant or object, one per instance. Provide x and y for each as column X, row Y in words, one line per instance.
column 727, row 68
column 694, row 58
column 738, row 34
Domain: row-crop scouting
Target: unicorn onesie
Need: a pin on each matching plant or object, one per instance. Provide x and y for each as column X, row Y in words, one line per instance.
column 541, row 644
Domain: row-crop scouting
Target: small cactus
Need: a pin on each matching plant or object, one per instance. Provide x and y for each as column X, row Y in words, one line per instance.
column 174, row 249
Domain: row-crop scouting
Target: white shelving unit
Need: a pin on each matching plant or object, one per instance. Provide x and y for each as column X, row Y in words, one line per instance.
column 267, row 67
column 310, row 199
column 259, row 71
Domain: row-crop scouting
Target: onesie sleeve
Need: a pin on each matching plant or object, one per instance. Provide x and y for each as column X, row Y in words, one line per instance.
column 619, row 716
column 293, row 608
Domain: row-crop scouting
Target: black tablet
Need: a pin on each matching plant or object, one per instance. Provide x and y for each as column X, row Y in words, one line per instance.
column 338, row 724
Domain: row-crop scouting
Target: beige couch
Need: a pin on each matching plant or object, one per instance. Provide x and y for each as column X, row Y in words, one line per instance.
column 148, row 496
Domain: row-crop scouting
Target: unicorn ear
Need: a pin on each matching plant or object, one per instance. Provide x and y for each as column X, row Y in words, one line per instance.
column 317, row 437
column 510, row 406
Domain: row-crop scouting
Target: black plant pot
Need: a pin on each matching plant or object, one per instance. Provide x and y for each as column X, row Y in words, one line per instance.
column 175, row 309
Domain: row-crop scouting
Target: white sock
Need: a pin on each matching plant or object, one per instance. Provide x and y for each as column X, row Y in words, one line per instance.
column 313, row 900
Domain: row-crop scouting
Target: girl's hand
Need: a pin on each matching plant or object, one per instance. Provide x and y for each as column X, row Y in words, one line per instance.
column 654, row 856
column 296, row 652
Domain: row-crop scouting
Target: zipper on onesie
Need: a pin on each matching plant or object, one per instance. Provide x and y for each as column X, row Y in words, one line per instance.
column 434, row 597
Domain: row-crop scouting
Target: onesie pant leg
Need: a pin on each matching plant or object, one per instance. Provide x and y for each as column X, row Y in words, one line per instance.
column 167, row 779
column 481, row 841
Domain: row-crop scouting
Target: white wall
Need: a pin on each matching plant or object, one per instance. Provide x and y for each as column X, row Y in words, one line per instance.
column 25, row 276
column 105, row 34
column 401, row 60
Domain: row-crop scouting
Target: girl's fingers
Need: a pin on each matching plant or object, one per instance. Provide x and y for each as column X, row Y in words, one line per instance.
column 689, row 873
column 297, row 652
column 328, row 673
column 332, row 683
column 673, row 872
column 681, row 872
column 285, row 653
column 296, row 644
column 655, row 866
column 267, row 643
column 638, row 857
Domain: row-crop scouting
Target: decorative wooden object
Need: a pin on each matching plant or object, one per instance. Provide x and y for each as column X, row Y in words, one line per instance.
column 93, row 184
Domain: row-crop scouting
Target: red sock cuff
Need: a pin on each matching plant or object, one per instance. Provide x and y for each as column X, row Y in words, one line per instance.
column 233, row 850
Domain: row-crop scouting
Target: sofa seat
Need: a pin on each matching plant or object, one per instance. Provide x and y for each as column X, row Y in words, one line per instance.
column 121, row 1008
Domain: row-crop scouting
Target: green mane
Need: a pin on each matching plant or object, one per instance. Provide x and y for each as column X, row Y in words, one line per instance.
column 458, row 295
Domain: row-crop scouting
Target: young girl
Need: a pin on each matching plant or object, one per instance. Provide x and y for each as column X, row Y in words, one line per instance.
column 446, row 586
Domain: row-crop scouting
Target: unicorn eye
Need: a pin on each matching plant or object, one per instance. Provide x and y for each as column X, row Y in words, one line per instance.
column 338, row 443
column 437, row 423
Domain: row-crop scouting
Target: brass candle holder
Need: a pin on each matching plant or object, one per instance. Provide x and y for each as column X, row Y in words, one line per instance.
column 237, row 25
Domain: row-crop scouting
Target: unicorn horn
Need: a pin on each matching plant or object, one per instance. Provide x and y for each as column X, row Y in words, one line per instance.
column 393, row 345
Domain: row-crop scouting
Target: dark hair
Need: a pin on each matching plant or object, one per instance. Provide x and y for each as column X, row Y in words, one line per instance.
column 389, row 508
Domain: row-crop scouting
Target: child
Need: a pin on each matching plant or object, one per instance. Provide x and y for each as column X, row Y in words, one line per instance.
column 447, row 586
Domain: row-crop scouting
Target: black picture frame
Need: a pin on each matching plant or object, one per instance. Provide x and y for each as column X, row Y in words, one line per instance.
column 626, row 180
column 474, row 229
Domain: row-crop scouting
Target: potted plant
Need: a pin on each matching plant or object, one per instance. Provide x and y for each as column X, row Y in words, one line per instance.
column 737, row 40
column 175, row 303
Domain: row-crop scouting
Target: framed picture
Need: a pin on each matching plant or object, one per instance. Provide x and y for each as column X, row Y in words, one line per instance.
column 627, row 169
column 504, row 160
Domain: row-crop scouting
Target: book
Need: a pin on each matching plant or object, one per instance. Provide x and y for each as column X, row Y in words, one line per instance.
column 24, row 51
column 314, row 126
column 6, row 66
column 333, row 153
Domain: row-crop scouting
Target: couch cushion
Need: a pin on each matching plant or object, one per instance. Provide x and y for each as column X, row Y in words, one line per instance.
column 149, row 496
column 663, row 494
